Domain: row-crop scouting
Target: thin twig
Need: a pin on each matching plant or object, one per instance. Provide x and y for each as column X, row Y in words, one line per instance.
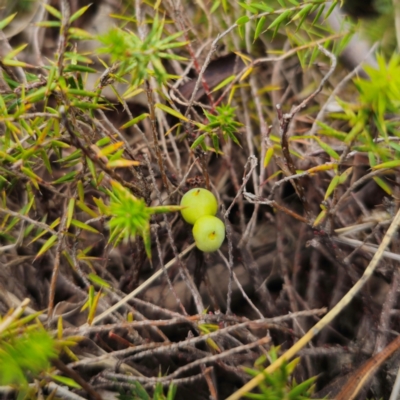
column 239, row 285
column 190, row 341
column 39, row 224
column 77, row 378
column 63, row 38
column 396, row 387
column 56, row 266
column 338, row 88
column 7, row 321
column 285, row 120
column 184, row 273
column 205, row 360
column 143, row 286
column 328, row 317
column 355, row 185
column 370, row 247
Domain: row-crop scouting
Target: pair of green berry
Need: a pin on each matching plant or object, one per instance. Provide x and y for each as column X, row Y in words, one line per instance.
column 200, row 209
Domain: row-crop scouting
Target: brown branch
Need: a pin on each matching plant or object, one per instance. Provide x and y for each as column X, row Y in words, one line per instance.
column 366, row 371
column 77, row 378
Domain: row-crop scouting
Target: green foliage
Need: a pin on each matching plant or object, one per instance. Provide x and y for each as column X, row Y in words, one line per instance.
column 283, row 14
column 140, row 393
column 26, row 349
column 372, row 127
column 301, row 22
column 378, row 100
column 380, row 28
column 26, row 354
column 134, row 54
column 42, row 134
column 280, row 384
column 381, row 93
column 130, row 216
column 222, row 122
column 48, row 149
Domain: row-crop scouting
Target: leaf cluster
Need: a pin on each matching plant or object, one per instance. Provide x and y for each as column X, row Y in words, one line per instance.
column 25, row 354
column 373, row 130
column 44, row 134
column 222, row 122
column 280, row 384
column 141, row 57
column 283, row 14
column 130, row 216
column 140, row 393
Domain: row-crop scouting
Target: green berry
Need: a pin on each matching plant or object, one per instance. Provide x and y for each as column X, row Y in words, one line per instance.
column 209, row 233
column 199, row 202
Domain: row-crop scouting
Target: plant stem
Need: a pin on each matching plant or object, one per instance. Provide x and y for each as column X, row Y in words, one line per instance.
column 328, row 317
